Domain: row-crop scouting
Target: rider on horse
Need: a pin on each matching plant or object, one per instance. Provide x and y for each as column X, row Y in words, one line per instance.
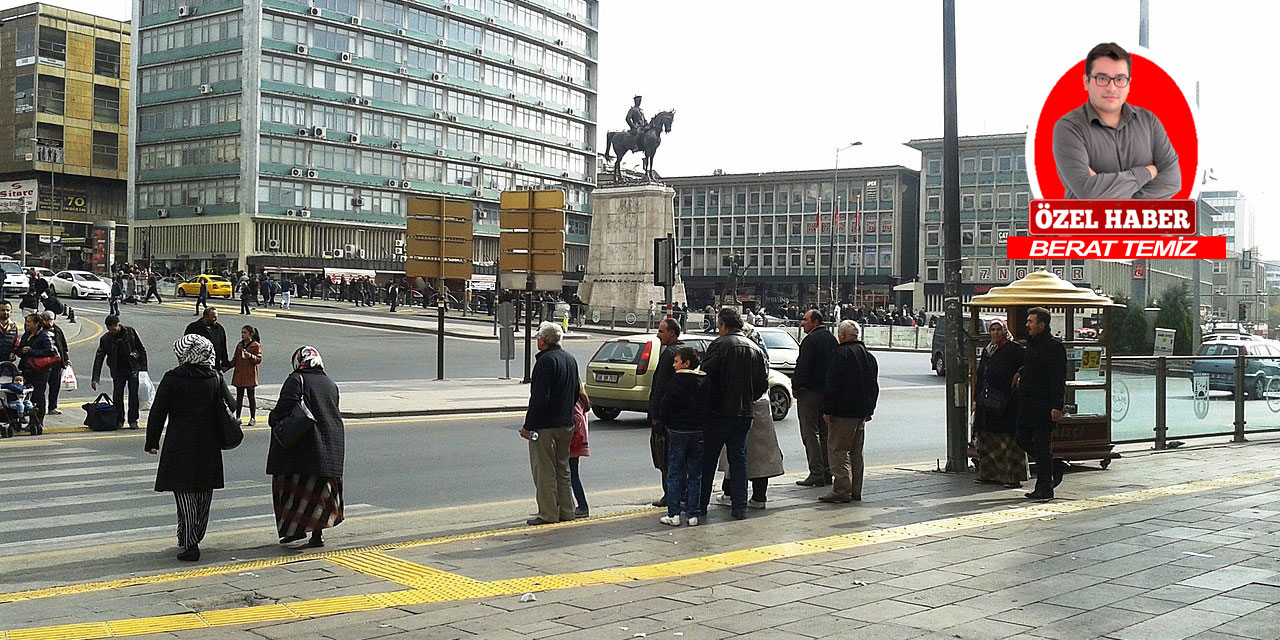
column 635, row 119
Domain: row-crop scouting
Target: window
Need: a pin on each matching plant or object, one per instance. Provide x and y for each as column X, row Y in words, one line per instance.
column 373, row 163
column 382, row 49
column 24, row 96
column 425, row 96
column 333, row 39
column 284, row 70
column 289, row 153
column 53, row 44
column 334, row 79
column 1023, row 199
column 987, row 164
column 424, row 133
column 1004, row 200
column 463, row 140
column 966, row 235
column 985, row 234
column 497, row 147
column 423, row 59
column 427, row 24
column 464, row 68
column 932, row 236
column 932, row 271
column 500, row 112
column 106, row 150
column 966, row 202
column 279, row 28
column 334, row 158
column 384, row 89
column 106, row 57
column 382, row 126
column 52, row 95
column 499, row 44
column 25, row 44
column 464, row 104
column 106, row 104
column 968, row 165
column 465, row 34
column 337, row 119
column 934, row 167
column 279, row 110
column 933, row 203
column 984, row 202
column 499, row 77
column 423, row 170
column 382, row 11
column 460, row 174
column 1006, row 163
column 280, row 193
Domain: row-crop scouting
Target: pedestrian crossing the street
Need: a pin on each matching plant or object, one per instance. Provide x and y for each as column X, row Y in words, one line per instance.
column 58, row 493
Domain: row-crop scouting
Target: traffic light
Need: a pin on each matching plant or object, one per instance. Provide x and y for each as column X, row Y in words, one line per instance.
column 664, row 261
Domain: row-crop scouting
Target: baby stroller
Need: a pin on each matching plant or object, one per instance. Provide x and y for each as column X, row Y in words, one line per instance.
column 10, row 421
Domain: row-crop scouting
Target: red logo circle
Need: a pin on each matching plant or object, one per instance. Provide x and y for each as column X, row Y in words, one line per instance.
column 1152, row 89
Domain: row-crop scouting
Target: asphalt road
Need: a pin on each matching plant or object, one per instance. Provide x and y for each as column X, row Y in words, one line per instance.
column 73, row 490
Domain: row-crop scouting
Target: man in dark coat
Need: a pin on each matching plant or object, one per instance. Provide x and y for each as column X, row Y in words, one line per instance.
column 548, row 425
column 847, row 404
column 1041, row 383
column 737, row 375
column 669, row 338
column 214, row 332
column 809, row 382
column 126, row 356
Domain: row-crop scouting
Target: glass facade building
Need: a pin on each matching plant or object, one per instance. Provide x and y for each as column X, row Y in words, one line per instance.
column 291, row 134
column 790, row 252
column 64, row 91
column 1234, row 218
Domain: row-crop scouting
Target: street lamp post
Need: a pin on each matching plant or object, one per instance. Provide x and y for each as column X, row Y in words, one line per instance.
column 835, row 216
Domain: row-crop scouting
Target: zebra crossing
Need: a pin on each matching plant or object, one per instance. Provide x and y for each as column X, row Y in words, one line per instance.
column 60, row 493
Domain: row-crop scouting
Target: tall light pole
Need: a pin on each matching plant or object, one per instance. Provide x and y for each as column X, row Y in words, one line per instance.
column 835, row 218
column 817, row 255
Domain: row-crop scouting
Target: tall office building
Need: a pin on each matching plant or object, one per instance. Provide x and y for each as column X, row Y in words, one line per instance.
column 1234, row 218
column 781, row 226
column 63, row 78
column 286, row 134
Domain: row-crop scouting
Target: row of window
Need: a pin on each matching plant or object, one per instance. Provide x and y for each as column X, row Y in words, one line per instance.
column 394, row 14
column 329, row 197
column 191, row 33
column 985, row 161
column 1007, row 270
column 986, row 200
column 190, row 192
column 387, row 88
column 49, row 145
column 188, row 154
column 799, row 194
column 192, row 73
column 782, row 260
column 50, row 43
column 981, row 234
column 338, row 119
column 183, row 115
column 50, row 96
column 780, row 226
column 431, row 27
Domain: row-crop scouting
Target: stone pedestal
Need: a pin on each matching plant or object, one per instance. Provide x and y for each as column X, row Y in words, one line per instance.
column 624, row 222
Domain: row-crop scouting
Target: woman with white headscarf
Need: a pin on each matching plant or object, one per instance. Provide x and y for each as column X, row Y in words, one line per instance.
column 306, row 476
column 191, row 458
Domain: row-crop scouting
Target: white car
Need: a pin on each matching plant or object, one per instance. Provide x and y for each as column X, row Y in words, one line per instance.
column 16, row 282
column 80, row 284
column 781, row 346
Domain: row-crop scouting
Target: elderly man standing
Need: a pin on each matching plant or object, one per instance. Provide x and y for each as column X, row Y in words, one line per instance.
column 809, row 382
column 737, row 375
column 847, row 404
column 669, row 338
column 548, row 425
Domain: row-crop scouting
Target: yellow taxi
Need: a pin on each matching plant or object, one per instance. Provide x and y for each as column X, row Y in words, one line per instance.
column 218, row 286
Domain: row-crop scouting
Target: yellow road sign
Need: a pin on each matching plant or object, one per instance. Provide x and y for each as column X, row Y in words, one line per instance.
column 545, row 199
column 537, row 262
column 522, row 219
column 432, row 229
column 541, row 241
column 420, row 206
column 422, row 268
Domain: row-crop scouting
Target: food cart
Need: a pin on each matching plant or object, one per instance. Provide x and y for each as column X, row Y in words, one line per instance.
column 1084, row 432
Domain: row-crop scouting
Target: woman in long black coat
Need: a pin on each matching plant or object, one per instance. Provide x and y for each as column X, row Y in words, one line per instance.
column 1000, row 460
column 191, row 458
column 306, row 478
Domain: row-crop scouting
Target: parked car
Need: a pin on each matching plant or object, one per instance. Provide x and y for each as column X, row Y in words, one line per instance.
column 1262, row 367
column 39, row 271
column 218, row 286
column 781, row 346
column 80, row 284
column 620, row 375
column 16, row 282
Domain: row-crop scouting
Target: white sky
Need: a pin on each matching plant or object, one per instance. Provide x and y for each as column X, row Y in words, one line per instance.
column 763, row 85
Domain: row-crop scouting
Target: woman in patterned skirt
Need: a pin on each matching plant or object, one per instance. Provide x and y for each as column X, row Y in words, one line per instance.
column 1000, row 460
column 306, row 478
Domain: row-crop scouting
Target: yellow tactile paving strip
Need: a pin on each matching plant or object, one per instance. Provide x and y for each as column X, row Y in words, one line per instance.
column 432, row 585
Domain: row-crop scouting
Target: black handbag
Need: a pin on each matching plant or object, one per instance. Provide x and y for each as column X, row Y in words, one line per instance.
column 290, row 430
column 100, row 415
column 229, row 430
column 993, row 401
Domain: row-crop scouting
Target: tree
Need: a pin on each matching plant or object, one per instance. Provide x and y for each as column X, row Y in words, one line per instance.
column 1175, row 313
column 1129, row 328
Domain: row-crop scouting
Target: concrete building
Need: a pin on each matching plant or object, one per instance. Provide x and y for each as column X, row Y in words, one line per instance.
column 771, row 220
column 288, row 135
column 1234, row 218
column 66, row 75
column 995, row 194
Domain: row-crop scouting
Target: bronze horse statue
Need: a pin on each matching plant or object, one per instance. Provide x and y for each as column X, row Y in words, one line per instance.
column 646, row 141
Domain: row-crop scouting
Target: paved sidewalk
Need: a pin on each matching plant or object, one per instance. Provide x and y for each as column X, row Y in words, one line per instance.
column 1170, row 545
column 387, row 398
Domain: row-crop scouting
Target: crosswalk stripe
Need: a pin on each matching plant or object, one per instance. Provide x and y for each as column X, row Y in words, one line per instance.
column 11, row 465
column 15, row 454
column 77, row 471
column 168, row 508
column 54, row 487
column 114, row 496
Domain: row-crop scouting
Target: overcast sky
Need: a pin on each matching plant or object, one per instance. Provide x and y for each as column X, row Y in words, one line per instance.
column 762, row 85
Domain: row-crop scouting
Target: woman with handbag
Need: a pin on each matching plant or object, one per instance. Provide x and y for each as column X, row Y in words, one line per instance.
column 245, row 375
column 307, row 450
column 1000, row 460
column 38, row 356
column 188, row 400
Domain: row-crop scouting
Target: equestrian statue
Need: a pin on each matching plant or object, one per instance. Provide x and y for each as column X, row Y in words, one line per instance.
column 643, row 136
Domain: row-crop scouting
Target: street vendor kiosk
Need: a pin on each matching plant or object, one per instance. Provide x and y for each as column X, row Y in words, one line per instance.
column 1084, row 432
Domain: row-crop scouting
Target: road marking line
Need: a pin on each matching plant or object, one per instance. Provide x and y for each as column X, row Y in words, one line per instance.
column 674, row 568
column 98, row 330
column 410, row 574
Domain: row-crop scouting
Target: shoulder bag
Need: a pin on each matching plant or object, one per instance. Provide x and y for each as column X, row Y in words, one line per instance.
column 294, row 427
column 229, row 429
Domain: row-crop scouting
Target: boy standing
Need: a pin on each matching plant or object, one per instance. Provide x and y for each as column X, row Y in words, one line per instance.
column 684, row 413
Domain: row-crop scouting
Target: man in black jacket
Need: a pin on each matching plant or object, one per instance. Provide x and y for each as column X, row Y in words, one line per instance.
column 809, row 382
column 1040, row 384
column 669, row 337
column 737, row 375
column 847, row 404
column 55, row 372
column 208, row 327
column 548, row 425
column 125, row 356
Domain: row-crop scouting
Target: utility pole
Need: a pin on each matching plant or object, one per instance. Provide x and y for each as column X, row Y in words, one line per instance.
column 957, row 393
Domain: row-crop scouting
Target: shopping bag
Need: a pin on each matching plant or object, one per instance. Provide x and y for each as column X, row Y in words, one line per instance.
column 146, row 390
column 69, row 379
column 100, row 415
